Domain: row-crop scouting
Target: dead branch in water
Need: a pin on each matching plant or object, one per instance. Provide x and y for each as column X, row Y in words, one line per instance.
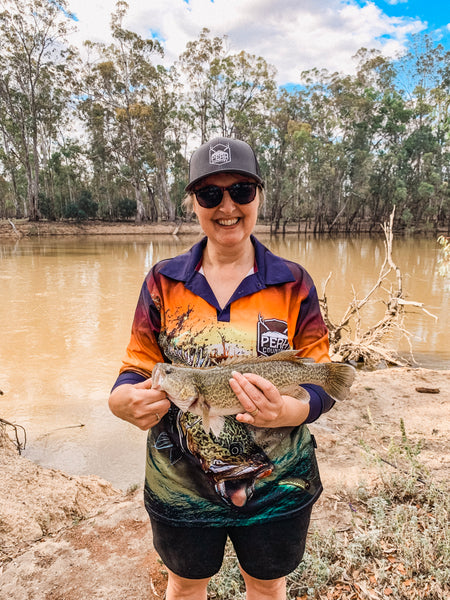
column 19, row 445
column 348, row 340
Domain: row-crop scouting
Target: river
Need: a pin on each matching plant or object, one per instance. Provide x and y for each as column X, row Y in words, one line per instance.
column 66, row 309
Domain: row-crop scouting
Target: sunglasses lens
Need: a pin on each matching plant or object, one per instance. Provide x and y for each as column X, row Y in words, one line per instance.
column 241, row 193
column 209, row 197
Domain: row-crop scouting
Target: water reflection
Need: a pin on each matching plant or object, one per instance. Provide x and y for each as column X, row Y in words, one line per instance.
column 66, row 312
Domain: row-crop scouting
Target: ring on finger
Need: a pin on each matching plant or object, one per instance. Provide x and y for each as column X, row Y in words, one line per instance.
column 157, row 417
column 253, row 413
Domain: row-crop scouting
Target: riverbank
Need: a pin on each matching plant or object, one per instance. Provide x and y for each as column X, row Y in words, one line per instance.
column 19, row 228
column 71, row 538
column 23, row 228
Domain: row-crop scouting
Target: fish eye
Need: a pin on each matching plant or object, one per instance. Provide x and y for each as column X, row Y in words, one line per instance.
column 168, row 369
column 235, row 448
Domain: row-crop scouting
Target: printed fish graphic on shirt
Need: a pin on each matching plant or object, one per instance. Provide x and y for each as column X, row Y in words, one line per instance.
column 206, row 392
column 232, row 462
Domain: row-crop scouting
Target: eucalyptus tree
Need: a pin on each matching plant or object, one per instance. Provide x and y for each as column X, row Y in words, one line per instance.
column 122, row 109
column 194, row 68
column 426, row 149
column 284, row 158
column 36, row 65
column 226, row 94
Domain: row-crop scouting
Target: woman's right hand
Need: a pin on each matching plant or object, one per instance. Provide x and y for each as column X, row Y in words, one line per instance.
column 139, row 404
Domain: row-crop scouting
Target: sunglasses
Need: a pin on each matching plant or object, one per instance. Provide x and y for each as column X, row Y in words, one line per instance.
column 211, row 196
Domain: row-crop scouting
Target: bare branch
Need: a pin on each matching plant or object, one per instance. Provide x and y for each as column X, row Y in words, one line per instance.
column 348, row 340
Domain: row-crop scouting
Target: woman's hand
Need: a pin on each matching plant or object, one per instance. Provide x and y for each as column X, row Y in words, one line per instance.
column 264, row 405
column 139, row 404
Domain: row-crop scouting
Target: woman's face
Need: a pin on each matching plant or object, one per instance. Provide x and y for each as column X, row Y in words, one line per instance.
column 228, row 224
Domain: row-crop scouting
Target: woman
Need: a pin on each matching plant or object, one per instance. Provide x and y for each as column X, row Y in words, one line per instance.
column 227, row 296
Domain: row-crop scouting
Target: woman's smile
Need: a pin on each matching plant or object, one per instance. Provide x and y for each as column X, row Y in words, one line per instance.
column 228, row 222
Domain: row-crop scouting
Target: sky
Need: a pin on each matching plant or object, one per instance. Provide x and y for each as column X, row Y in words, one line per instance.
column 291, row 35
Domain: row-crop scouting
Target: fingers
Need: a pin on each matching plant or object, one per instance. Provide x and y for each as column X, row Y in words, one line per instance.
column 260, row 399
column 139, row 404
column 148, row 414
column 144, row 385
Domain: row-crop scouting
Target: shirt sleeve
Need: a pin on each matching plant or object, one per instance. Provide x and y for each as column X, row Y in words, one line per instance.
column 143, row 351
column 311, row 338
column 311, row 333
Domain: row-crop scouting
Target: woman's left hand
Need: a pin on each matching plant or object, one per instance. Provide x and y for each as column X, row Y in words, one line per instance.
column 263, row 404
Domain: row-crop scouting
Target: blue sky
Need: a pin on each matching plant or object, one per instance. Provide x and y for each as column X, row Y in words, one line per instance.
column 436, row 14
column 292, row 35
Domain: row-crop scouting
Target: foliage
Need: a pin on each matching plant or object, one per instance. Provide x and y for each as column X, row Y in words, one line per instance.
column 337, row 154
column 126, row 208
column 35, row 87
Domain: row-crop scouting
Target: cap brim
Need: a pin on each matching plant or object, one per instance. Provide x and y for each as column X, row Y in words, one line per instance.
column 192, row 184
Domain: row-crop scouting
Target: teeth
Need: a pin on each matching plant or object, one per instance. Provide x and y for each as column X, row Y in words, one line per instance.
column 228, row 221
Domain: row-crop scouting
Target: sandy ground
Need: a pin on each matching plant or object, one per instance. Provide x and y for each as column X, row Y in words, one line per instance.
column 72, row 538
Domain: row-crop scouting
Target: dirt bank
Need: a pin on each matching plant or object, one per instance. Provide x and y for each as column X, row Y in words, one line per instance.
column 72, row 538
column 23, row 228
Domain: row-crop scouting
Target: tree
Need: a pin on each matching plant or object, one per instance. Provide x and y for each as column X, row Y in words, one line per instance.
column 124, row 107
column 35, row 67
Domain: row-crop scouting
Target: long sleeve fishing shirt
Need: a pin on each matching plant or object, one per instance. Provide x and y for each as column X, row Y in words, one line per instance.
column 194, row 478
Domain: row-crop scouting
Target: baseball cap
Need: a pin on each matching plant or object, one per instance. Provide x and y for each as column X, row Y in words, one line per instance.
column 223, row 155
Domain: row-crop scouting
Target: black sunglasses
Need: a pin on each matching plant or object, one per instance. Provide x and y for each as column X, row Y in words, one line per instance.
column 211, row 196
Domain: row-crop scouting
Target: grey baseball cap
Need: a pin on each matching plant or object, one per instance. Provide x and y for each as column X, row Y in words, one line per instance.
column 223, row 155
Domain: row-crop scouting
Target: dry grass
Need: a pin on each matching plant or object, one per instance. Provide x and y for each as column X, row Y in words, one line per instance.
column 397, row 548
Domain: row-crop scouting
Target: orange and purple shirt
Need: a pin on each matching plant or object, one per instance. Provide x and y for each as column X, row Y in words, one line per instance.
column 194, row 478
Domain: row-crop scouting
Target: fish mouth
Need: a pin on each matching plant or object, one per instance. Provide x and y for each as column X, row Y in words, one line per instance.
column 156, row 379
column 236, row 485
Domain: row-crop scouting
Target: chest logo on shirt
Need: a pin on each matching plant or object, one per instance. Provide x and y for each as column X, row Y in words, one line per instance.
column 272, row 336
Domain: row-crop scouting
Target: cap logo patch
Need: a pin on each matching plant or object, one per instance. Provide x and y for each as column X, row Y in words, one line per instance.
column 219, row 154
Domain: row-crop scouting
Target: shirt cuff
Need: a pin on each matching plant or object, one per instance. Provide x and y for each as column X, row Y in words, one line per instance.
column 319, row 402
column 128, row 377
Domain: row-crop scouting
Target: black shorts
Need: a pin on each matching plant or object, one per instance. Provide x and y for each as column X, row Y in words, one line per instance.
column 267, row 551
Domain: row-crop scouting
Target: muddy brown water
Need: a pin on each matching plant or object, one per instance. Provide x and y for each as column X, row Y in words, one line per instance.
column 66, row 309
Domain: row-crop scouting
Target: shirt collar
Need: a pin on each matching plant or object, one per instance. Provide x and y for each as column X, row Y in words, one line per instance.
column 272, row 269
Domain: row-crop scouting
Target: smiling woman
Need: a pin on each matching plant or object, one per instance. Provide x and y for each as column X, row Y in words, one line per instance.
column 227, row 297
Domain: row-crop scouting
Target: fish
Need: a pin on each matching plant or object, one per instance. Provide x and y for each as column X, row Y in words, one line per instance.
column 206, row 391
column 232, row 461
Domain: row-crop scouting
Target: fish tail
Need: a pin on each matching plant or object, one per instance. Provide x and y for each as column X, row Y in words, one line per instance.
column 339, row 380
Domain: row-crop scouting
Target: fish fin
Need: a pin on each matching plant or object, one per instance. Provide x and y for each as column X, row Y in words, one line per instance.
column 297, row 483
column 283, row 355
column 339, row 380
column 216, row 425
column 296, row 391
column 292, row 355
column 175, row 455
column 163, row 442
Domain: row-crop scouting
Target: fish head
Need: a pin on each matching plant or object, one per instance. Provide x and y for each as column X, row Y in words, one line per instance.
column 236, row 468
column 177, row 383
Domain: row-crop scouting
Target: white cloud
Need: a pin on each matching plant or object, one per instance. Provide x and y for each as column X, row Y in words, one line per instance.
column 292, row 35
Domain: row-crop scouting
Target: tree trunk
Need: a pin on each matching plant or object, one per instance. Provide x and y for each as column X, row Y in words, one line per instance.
column 140, row 208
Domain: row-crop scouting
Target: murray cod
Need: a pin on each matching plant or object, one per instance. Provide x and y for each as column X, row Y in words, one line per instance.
column 205, row 391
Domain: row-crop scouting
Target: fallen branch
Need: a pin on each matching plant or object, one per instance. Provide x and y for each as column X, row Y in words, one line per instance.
column 347, row 338
column 19, row 445
column 14, row 228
